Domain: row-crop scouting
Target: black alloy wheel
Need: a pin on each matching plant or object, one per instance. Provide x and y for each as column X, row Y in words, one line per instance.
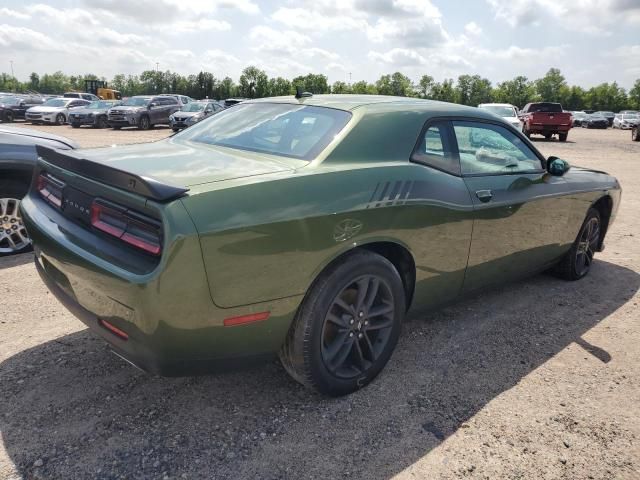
column 144, row 123
column 576, row 264
column 60, row 119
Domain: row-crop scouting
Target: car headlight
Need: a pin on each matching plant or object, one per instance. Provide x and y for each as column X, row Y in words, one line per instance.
column 195, row 118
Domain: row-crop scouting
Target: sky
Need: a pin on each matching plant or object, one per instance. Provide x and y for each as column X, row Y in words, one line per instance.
column 590, row 41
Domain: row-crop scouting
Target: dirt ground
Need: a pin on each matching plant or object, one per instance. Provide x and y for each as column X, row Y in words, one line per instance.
column 535, row 380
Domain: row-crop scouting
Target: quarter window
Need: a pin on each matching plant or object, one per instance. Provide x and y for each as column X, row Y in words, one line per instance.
column 434, row 149
column 491, row 149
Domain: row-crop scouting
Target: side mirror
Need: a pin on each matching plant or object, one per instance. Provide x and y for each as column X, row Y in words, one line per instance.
column 153, row 104
column 557, row 166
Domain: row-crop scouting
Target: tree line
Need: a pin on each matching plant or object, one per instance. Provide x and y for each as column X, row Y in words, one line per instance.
column 255, row 83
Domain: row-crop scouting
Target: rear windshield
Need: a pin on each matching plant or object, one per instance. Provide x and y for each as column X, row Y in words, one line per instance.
column 296, row 131
column 193, row 107
column 545, row 107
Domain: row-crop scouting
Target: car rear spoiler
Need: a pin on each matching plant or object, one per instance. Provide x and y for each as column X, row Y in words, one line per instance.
column 145, row 186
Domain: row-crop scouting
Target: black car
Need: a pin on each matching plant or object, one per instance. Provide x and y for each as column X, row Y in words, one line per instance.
column 193, row 112
column 13, row 107
column 94, row 114
column 17, row 159
column 595, row 120
column 608, row 115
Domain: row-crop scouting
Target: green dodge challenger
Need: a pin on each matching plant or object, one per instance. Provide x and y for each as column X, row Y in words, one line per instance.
column 305, row 226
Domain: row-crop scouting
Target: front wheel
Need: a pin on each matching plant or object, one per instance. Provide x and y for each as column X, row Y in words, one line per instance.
column 347, row 326
column 102, row 122
column 13, row 234
column 635, row 134
column 577, row 262
column 60, row 119
column 8, row 116
column 144, row 123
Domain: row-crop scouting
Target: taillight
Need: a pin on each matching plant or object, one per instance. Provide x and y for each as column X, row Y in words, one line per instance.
column 133, row 228
column 50, row 189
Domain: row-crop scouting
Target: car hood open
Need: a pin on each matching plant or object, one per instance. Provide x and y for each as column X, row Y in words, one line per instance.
column 186, row 164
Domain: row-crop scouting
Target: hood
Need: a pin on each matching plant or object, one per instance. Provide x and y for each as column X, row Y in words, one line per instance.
column 84, row 111
column 124, row 108
column 41, row 109
column 187, row 114
column 186, row 164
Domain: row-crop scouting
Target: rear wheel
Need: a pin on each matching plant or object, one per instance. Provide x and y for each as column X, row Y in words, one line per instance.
column 563, row 137
column 577, row 262
column 60, row 119
column 347, row 326
column 525, row 131
column 635, row 134
column 144, row 123
column 13, row 234
column 102, row 122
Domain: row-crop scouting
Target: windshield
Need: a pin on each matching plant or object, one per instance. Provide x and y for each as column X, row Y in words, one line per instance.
column 500, row 110
column 296, row 131
column 193, row 107
column 100, row 104
column 545, row 107
column 136, row 102
column 57, row 102
column 630, row 116
column 10, row 100
column 605, row 114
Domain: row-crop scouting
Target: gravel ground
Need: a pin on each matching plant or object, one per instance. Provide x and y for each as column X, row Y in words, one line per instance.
column 538, row 379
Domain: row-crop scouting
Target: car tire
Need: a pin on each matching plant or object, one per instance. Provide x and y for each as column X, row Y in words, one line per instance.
column 11, row 192
column 8, row 117
column 577, row 262
column 175, row 129
column 526, row 132
column 75, row 125
column 60, row 119
column 563, row 137
column 144, row 123
column 116, row 127
column 102, row 122
column 335, row 347
column 548, row 136
column 635, row 134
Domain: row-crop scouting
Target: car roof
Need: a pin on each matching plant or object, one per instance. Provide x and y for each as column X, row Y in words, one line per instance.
column 495, row 105
column 37, row 134
column 378, row 102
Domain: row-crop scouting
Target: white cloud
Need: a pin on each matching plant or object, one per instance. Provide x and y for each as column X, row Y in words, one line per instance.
column 7, row 12
column 472, row 28
column 200, row 25
column 317, row 21
column 398, row 58
column 25, row 39
column 267, row 39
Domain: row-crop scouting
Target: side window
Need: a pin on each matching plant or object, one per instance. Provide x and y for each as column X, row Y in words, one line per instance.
column 489, row 149
column 434, row 149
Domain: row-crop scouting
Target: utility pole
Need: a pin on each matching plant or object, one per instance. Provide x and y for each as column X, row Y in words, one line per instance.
column 11, row 62
column 157, row 65
column 349, row 78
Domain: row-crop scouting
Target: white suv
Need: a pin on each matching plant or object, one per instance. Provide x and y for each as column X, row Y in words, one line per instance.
column 505, row 110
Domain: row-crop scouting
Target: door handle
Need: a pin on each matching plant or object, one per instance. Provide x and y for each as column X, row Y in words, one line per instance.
column 484, row 195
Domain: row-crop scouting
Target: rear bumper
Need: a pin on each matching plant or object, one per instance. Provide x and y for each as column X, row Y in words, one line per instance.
column 533, row 128
column 173, row 326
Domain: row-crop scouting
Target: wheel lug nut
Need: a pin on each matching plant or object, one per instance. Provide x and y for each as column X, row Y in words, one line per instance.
column 351, row 321
column 351, row 334
column 360, row 335
column 366, row 322
column 361, row 314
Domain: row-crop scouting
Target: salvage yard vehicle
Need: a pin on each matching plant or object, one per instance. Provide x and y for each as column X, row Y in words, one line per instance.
column 143, row 111
column 608, row 115
column 547, row 119
column 14, row 107
column 94, row 114
column 194, row 112
column 625, row 121
column 17, row 160
column 54, row 110
column 304, row 225
column 504, row 110
column 595, row 120
column 85, row 96
column 578, row 117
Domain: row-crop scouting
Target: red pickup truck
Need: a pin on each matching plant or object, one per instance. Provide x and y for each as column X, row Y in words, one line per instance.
column 546, row 118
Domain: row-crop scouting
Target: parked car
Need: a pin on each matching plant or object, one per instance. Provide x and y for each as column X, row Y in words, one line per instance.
column 54, row 110
column 94, row 114
column 183, row 99
column 608, row 115
column 281, row 226
column 625, row 120
column 17, row 160
column 143, row 111
column 13, row 107
column 547, row 119
column 504, row 110
column 85, row 96
column 595, row 120
column 193, row 112
column 624, row 112
column 578, row 117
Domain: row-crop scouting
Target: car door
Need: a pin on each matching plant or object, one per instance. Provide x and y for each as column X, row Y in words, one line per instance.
column 520, row 211
column 440, row 215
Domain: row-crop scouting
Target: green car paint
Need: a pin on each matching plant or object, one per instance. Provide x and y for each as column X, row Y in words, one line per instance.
column 255, row 230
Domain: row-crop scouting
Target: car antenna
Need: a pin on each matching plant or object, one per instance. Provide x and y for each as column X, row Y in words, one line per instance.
column 301, row 94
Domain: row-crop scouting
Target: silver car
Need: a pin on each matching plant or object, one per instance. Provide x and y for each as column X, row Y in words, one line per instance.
column 625, row 121
column 54, row 110
column 193, row 112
